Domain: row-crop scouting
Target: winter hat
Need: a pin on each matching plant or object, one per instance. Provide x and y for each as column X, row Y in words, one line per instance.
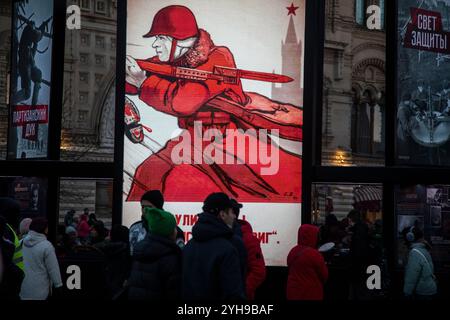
column 215, row 202
column 39, row 225
column 24, row 226
column 70, row 230
column 120, row 233
column 155, row 197
column 160, row 222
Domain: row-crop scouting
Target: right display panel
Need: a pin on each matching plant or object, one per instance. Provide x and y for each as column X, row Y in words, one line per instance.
column 423, row 82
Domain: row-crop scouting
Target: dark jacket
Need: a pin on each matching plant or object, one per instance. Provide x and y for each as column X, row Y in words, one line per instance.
column 92, row 263
column 359, row 250
column 117, row 264
column 307, row 270
column 12, row 276
column 211, row 268
column 156, row 270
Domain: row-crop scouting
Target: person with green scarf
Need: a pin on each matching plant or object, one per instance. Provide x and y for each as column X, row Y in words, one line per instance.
column 156, row 268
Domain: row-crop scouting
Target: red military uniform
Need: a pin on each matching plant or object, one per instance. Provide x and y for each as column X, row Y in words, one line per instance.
column 188, row 100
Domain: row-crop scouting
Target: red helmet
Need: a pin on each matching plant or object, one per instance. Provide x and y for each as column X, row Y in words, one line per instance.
column 177, row 22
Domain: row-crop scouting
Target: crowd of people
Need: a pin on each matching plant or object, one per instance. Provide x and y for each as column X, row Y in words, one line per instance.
column 222, row 261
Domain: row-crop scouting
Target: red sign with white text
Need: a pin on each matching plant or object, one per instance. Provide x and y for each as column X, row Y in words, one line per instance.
column 425, row 32
column 29, row 118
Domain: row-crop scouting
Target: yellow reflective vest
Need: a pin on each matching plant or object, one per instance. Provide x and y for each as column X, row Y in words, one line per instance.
column 18, row 255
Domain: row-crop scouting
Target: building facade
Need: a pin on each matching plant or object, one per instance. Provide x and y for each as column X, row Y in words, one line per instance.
column 89, row 84
column 354, row 84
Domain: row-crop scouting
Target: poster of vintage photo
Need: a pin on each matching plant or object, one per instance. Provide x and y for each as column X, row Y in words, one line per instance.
column 31, row 194
column 423, row 82
column 31, row 67
column 214, row 103
column 426, row 208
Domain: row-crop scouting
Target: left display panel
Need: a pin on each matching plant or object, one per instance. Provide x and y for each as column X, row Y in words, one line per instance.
column 30, row 79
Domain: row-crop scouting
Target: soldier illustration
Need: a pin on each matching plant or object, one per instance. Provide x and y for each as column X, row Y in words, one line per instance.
column 28, row 71
column 444, row 97
column 420, row 95
column 212, row 94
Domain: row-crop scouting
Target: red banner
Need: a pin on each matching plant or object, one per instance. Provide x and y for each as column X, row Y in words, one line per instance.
column 425, row 32
column 29, row 118
column 23, row 115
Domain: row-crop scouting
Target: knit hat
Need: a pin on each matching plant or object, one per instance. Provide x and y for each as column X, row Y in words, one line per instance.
column 216, row 202
column 24, row 226
column 39, row 225
column 155, row 197
column 160, row 222
column 70, row 230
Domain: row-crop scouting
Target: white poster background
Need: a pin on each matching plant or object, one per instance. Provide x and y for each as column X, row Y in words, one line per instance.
column 254, row 31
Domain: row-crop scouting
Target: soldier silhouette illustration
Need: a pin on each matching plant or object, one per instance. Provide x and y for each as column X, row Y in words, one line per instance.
column 26, row 66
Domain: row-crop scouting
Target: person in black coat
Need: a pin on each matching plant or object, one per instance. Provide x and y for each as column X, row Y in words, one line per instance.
column 359, row 255
column 11, row 276
column 156, row 269
column 211, row 264
column 118, row 259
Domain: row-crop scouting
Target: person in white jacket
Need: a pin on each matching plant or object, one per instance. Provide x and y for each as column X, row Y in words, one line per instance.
column 41, row 266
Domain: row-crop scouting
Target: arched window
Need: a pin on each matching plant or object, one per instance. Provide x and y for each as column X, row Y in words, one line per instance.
column 368, row 123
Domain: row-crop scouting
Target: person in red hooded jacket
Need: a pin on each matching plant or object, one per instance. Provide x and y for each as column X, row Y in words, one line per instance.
column 307, row 269
column 256, row 267
column 83, row 228
column 179, row 42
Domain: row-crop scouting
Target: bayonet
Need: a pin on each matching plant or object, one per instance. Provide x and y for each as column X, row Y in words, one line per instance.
column 219, row 73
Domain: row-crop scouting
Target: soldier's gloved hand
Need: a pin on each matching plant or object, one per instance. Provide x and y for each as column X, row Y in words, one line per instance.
column 134, row 74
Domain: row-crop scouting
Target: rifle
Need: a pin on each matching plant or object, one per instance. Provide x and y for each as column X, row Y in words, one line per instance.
column 219, row 73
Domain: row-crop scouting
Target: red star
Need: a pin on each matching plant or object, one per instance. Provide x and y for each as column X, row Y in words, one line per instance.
column 292, row 9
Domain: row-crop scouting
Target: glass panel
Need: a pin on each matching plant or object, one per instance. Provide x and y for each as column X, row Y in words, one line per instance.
column 353, row 127
column 85, row 239
column 350, row 221
column 423, row 84
column 90, row 196
column 89, row 85
column 426, row 208
column 31, row 82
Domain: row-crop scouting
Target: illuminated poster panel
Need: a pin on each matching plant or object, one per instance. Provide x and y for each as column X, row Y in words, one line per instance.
column 214, row 98
column 30, row 79
column 423, row 82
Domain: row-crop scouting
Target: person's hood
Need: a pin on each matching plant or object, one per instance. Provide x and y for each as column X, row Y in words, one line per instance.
column 33, row 238
column 195, row 56
column 308, row 235
column 210, row 227
column 83, row 217
column 154, row 247
column 111, row 249
column 246, row 227
column 417, row 245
